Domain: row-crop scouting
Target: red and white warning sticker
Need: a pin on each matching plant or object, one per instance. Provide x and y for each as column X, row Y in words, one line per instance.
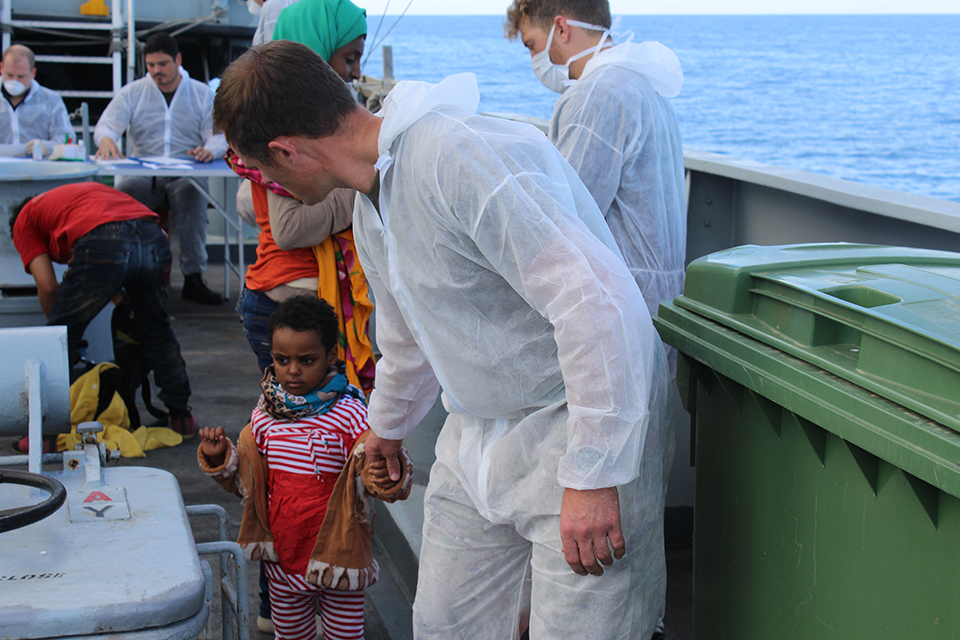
column 103, row 503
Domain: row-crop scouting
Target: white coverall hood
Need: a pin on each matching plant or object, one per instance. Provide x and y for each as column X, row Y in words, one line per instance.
column 409, row 101
column 653, row 60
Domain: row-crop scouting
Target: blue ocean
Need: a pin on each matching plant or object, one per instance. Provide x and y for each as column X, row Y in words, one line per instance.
column 874, row 99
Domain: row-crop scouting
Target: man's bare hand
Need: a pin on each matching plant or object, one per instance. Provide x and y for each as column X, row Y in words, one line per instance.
column 201, row 154
column 108, row 150
column 377, row 449
column 589, row 527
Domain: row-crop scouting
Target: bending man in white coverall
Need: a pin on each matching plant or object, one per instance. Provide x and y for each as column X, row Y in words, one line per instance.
column 497, row 279
column 166, row 113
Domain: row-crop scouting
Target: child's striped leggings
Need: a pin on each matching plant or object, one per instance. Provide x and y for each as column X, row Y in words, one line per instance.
column 293, row 607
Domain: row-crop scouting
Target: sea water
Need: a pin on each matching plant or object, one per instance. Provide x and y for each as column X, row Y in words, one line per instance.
column 875, row 99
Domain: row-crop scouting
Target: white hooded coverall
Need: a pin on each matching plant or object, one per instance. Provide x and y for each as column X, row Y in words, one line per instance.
column 40, row 116
column 156, row 129
column 496, row 278
column 618, row 131
column 267, row 21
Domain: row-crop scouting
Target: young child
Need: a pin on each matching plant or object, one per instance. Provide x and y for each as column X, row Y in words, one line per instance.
column 302, row 450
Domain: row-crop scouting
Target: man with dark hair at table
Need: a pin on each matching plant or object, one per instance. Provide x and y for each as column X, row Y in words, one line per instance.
column 166, row 113
column 497, row 280
column 110, row 241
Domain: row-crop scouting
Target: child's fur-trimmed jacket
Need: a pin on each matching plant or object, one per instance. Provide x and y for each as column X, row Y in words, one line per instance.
column 342, row 558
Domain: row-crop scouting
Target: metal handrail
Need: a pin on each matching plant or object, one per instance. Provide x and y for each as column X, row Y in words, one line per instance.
column 235, row 599
column 235, row 225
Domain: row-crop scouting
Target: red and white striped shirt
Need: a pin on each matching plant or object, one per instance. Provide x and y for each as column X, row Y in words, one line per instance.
column 312, row 445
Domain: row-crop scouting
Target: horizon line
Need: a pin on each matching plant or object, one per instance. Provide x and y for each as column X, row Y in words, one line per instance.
column 640, row 15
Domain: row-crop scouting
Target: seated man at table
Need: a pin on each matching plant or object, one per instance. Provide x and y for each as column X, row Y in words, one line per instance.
column 29, row 114
column 168, row 114
column 110, row 241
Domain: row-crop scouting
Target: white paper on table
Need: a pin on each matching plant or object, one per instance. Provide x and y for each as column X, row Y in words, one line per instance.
column 104, row 161
column 165, row 160
column 152, row 165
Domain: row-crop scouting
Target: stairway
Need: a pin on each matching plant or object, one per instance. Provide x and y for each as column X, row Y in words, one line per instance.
column 79, row 31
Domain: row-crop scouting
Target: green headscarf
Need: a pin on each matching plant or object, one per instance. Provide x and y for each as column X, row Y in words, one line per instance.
column 322, row 25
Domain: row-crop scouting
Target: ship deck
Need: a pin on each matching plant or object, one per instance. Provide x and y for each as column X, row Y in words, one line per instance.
column 224, row 379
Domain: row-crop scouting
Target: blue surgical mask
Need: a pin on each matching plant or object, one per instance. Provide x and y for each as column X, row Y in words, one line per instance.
column 254, row 8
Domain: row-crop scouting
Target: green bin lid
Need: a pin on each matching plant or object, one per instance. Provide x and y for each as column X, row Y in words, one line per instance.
column 884, row 318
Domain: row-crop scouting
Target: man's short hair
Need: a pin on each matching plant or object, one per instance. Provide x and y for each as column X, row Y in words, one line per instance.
column 161, row 43
column 281, row 88
column 542, row 13
column 17, row 51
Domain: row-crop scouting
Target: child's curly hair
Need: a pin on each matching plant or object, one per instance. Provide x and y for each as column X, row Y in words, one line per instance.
column 307, row 313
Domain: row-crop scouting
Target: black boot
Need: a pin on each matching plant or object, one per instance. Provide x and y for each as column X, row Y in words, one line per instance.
column 194, row 288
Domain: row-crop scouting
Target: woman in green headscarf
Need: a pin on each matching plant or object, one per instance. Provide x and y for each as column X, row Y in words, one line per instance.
column 335, row 29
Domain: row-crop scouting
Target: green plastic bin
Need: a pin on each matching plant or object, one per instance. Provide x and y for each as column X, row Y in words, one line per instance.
column 823, row 383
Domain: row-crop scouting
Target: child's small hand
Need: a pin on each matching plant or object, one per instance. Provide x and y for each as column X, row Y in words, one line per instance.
column 380, row 474
column 213, row 443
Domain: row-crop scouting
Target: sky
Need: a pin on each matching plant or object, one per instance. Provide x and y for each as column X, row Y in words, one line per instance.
column 676, row 7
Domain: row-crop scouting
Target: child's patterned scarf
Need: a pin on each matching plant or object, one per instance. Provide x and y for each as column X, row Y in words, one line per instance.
column 281, row 405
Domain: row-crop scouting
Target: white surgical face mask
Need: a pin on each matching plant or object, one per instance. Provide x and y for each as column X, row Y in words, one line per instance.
column 254, row 8
column 14, row 87
column 556, row 77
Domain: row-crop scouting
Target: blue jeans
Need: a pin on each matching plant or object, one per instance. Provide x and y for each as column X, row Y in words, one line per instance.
column 134, row 255
column 255, row 309
column 188, row 213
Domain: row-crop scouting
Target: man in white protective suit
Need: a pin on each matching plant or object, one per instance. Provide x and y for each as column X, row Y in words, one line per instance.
column 614, row 125
column 167, row 114
column 266, row 12
column 30, row 115
column 495, row 278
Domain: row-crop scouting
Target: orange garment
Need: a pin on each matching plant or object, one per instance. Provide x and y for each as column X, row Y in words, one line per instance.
column 274, row 266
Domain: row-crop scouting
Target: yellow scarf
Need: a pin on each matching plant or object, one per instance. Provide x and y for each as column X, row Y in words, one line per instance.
column 344, row 286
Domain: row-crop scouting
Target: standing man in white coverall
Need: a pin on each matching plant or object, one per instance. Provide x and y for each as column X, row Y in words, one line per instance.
column 496, row 278
column 614, row 124
column 29, row 114
column 166, row 113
